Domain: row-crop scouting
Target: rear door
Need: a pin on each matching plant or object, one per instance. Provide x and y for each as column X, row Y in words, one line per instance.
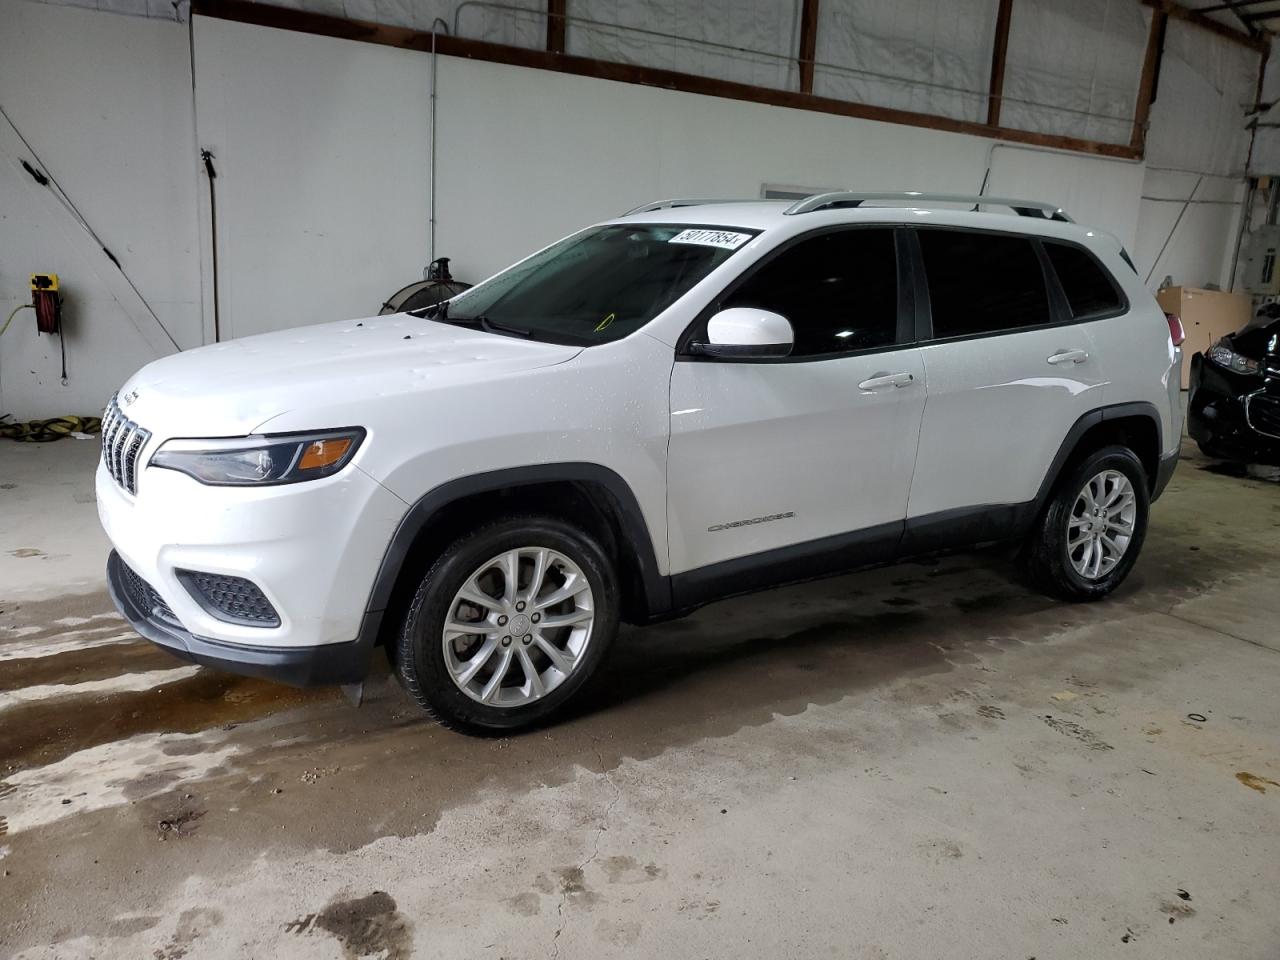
column 1009, row 368
column 768, row 454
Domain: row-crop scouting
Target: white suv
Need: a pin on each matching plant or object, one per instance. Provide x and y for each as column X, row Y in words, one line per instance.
column 695, row 400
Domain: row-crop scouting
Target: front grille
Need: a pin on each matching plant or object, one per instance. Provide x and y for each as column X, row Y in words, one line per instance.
column 122, row 441
column 232, row 599
column 145, row 597
column 1263, row 413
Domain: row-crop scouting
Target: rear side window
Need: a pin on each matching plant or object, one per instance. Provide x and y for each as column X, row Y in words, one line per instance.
column 982, row 283
column 1089, row 290
column 839, row 290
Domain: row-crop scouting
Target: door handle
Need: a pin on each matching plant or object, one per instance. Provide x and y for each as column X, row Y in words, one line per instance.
column 1069, row 356
column 887, row 380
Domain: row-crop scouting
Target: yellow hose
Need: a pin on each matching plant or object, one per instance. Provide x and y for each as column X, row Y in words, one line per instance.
column 13, row 313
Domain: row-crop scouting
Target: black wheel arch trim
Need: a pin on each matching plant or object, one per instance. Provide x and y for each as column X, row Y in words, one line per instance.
column 1112, row 412
column 656, row 586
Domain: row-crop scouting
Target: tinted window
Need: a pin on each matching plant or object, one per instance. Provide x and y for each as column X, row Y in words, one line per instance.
column 982, row 282
column 1089, row 290
column 839, row 290
column 598, row 285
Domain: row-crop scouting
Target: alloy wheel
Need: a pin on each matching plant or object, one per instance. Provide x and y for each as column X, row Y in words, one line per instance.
column 518, row 626
column 1101, row 524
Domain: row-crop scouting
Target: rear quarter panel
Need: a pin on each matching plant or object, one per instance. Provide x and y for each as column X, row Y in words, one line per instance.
column 1141, row 362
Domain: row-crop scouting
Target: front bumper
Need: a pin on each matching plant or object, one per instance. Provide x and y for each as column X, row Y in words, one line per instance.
column 332, row 663
column 1216, row 415
column 312, row 549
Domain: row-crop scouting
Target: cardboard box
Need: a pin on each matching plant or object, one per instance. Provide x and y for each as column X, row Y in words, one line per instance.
column 1206, row 315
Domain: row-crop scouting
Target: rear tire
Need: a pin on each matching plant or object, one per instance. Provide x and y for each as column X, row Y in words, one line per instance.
column 1091, row 531
column 477, row 649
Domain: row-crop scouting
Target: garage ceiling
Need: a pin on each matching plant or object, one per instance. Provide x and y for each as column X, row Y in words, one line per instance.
column 1256, row 16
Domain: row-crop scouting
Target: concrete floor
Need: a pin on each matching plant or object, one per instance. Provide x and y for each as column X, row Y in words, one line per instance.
column 922, row 761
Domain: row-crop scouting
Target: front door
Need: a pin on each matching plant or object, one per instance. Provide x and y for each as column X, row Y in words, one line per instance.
column 772, row 458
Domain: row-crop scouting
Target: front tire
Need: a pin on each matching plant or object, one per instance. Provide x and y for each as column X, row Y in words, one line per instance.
column 508, row 624
column 1093, row 527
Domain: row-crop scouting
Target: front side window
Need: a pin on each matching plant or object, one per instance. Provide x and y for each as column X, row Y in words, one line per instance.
column 982, row 283
column 598, row 285
column 1088, row 289
column 839, row 291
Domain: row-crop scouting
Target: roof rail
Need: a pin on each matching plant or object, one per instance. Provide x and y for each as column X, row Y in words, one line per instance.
column 685, row 202
column 914, row 198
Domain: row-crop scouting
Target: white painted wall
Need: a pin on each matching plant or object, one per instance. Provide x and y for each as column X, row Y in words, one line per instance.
column 106, row 102
column 1200, row 249
column 1095, row 191
column 321, row 153
column 321, row 150
column 323, row 179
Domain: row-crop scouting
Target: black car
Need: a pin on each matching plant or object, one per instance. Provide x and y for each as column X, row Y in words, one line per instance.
column 1233, row 410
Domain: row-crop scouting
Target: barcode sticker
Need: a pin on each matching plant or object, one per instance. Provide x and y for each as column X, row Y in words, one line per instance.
column 712, row 238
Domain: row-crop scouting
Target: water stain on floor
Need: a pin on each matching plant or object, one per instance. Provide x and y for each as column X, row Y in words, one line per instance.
column 128, row 926
column 1254, row 782
column 981, row 602
column 524, row 904
column 178, row 825
column 624, row 869
column 78, row 666
column 43, row 732
column 363, row 926
column 193, row 925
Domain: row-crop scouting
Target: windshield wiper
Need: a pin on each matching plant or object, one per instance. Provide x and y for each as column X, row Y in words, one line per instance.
column 441, row 314
column 433, row 311
column 493, row 326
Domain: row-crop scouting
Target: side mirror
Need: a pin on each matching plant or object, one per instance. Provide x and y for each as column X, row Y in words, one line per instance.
column 742, row 332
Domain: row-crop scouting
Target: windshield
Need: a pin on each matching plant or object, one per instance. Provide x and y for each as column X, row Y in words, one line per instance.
column 596, row 286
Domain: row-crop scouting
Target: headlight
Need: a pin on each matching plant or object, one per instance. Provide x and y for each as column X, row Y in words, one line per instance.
column 261, row 461
column 1224, row 356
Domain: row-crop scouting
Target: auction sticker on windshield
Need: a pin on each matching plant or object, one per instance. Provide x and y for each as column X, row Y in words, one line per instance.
column 712, row 238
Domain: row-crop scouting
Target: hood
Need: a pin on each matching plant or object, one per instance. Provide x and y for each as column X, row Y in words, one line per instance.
column 233, row 388
column 1251, row 341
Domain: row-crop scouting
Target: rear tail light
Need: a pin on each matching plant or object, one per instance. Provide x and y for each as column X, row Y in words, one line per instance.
column 1176, row 333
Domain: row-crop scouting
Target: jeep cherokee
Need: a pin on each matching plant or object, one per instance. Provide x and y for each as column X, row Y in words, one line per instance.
column 692, row 401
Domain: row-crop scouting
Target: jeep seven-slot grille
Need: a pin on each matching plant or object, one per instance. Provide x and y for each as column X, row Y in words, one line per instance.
column 145, row 597
column 122, row 441
column 1263, row 413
